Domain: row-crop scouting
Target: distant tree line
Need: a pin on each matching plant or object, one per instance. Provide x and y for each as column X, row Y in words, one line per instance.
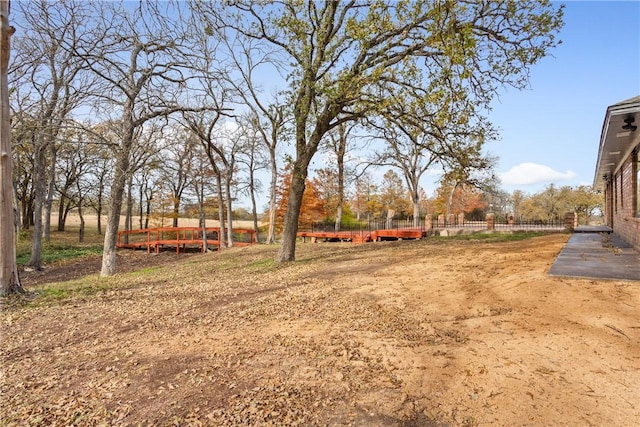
column 367, row 200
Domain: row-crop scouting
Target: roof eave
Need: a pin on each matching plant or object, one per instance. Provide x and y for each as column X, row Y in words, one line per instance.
column 630, row 106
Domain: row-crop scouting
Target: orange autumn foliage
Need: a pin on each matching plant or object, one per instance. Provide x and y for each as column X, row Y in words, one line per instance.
column 312, row 209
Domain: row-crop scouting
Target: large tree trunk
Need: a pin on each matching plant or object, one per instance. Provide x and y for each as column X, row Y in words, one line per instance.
column 305, row 149
column 287, row 250
column 9, row 279
column 120, row 176
column 113, row 218
column 39, row 190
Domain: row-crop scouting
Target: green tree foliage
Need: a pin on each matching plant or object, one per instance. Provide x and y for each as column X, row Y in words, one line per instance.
column 553, row 203
column 394, row 196
column 327, row 184
column 349, row 60
column 587, row 203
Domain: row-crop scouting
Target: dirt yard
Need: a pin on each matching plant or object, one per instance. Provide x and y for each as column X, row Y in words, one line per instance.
column 413, row 333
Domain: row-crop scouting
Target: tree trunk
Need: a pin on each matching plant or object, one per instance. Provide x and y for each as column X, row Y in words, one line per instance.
column 65, row 214
column 222, row 235
column 254, row 207
column 338, row 224
column 305, row 149
column 113, row 220
column 9, row 279
column 148, row 212
column 271, row 233
column 202, row 215
column 450, row 201
column 39, row 189
column 27, row 213
column 287, row 250
column 16, row 210
column 81, row 215
column 99, row 202
column 229, row 211
column 140, row 205
column 340, row 151
column 415, row 199
column 176, row 210
column 390, row 214
column 51, row 188
column 120, row 173
column 61, row 207
column 128, row 219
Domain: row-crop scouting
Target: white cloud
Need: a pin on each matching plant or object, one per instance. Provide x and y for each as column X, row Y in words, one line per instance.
column 533, row 173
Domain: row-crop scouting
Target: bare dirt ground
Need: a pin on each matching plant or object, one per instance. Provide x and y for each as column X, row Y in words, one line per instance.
column 419, row 333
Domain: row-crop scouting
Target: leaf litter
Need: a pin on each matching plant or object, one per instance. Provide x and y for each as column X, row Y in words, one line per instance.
column 393, row 333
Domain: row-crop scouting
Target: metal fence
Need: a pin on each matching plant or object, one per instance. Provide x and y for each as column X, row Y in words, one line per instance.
column 371, row 225
column 523, row 223
column 441, row 222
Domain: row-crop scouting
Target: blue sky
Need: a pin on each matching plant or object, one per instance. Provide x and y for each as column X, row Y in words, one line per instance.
column 550, row 132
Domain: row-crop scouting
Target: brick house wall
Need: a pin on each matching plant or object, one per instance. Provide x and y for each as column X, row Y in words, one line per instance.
column 622, row 210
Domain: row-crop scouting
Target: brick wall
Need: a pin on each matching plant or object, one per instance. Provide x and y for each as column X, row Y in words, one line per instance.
column 622, row 200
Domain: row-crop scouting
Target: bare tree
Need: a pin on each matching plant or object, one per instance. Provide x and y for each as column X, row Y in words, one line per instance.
column 203, row 126
column 101, row 138
column 145, row 152
column 270, row 114
column 211, row 90
column 177, row 165
column 138, row 56
column 23, row 135
column 146, row 179
column 253, row 159
column 9, row 279
column 201, row 186
column 338, row 144
column 52, row 79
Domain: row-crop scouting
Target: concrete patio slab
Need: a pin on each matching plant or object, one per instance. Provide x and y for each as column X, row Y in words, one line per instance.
column 597, row 256
column 593, row 229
